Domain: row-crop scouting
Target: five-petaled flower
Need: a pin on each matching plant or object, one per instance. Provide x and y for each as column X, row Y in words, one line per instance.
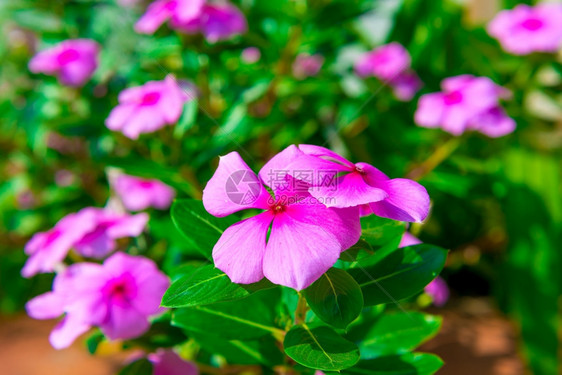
column 147, row 108
column 118, row 297
column 466, row 103
column 92, row 232
column 139, row 193
column 306, row 237
column 72, row 61
column 525, row 29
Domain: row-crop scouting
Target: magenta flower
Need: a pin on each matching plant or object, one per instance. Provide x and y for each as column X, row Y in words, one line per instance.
column 167, row 362
column 147, row 108
column 216, row 21
column 385, row 62
column 438, row 290
column 391, row 63
column 118, row 297
column 160, row 11
column 467, row 102
column 72, row 61
column 524, row 29
column 306, row 65
column 138, row 193
column 306, row 237
column 91, row 231
column 340, row 183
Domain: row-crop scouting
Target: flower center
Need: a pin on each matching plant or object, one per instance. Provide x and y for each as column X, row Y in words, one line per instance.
column 454, row 97
column 68, row 56
column 359, row 170
column 120, row 290
column 532, row 24
column 150, row 98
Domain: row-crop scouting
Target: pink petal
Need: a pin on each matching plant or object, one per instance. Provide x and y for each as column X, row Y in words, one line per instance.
column 45, row 306
column 157, row 13
column 298, row 253
column 124, row 322
column 407, row 201
column 325, row 153
column 240, row 250
column 119, row 116
column 68, row 330
column 233, row 187
column 408, row 239
column 430, row 110
column 128, row 226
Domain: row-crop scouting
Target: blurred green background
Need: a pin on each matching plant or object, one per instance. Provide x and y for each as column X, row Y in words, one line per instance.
column 496, row 203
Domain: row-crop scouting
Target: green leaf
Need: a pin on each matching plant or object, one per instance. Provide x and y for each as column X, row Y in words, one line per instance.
column 139, row 367
column 202, row 286
column 93, row 341
column 406, row 364
column 398, row 333
column 399, row 275
column 378, row 231
column 201, row 229
column 320, row 347
column 239, row 320
column 187, row 119
column 335, row 298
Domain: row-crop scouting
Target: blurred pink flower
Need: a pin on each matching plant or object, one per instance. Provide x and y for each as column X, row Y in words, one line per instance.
column 466, row 103
column 91, row 231
column 340, row 183
column 524, row 29
column 147, row 108
column 250, row 55
column 72, row 61
column 390, row 63
column 117, row 296
column 438, row 290
column 167, row 362
column 217, row 21
column 385, row 62
column 306, row 65
column 305, row 240
column 138, row 193
column 160, row 11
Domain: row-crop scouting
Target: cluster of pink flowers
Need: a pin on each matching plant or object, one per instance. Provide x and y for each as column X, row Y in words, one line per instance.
column 217, row 21
column 391, row 64
column 147, row 108
column 525, row 29
column 466, row 103
column 313, row 218
column 72, row 61
column 92, row 232
column 118, row 297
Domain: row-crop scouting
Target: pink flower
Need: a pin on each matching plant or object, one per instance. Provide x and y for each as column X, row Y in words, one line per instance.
column 160, row 11
column 216, row 21
column 147, row 108
column 117, row 296
column 138, row 193
column 250, row 55
column 305, row 240
column 385, row 62
column 438, row 290
column 91, row 231
column 340, row 183
column 306, row 65
column 391, row 63
column 167, row 362
column 72, row 61
column 524, row 29
column 467, row 102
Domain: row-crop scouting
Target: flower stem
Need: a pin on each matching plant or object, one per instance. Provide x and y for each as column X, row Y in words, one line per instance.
column 437, row 157
column 300, row 311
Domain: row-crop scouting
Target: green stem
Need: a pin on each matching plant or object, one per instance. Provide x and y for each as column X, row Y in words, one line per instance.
column 300, row 311
column 435, row 159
